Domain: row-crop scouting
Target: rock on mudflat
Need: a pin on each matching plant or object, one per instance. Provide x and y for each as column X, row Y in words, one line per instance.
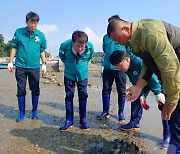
column 116, row 146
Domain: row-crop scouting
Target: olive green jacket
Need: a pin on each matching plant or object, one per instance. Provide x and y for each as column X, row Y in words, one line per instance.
column 150, row 36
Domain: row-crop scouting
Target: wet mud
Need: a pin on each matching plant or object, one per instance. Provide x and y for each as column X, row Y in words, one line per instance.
column 43, row 136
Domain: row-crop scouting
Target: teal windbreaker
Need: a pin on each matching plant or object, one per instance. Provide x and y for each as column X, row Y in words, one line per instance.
column 75, row 68
column 135, row 70
column 28, row 47
column 109, row 46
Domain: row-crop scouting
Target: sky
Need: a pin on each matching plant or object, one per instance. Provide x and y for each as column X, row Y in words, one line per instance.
column 60, row 18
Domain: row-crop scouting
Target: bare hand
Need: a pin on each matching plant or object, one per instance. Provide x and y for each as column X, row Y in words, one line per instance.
column 167, row 111
column 133, row 93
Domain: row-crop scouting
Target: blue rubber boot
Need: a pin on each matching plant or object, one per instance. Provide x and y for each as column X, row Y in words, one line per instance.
column 69, row 116
column 106, row 104
column 21, row 104
column 35, row 101
column 136, row 115
column 174, row 147
column 166, row 134
column 121, row 102
column 82, row 114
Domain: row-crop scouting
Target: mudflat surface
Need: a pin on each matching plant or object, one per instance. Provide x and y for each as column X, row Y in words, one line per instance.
column 43, row 136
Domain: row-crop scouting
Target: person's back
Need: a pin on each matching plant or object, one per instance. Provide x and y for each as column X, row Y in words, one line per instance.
column 173, row 34
column 108, row 47
column 156, row 51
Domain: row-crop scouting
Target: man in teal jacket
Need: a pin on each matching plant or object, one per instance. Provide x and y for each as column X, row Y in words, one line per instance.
column 28, row 44
column 75, row 54
column 111, row 73
column 132, row 65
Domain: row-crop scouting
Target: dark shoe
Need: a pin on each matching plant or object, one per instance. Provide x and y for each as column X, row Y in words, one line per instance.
column 132, row 125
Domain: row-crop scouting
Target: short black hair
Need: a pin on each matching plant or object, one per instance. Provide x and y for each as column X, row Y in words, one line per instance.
column 32, row 16
column 116, row 16
column 80, row 36
column 117, row 56
column 113, row 25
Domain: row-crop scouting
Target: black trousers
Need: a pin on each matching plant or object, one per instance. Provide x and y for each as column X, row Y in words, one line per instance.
column 70, row 89
column 33, row 76
column 174, row 122
column 108, row 78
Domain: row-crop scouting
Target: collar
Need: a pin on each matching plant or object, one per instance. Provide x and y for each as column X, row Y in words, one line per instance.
column 86, row 48
column 34, row 33
column 75, row 52
column 134, row 27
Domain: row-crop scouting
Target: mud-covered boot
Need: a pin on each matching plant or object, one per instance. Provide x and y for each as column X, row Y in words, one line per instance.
column 136, row 115
column 21, row 105
column 35, row 101
column 69, row 116
column 132, row 125
column 106, row 104
column 166, row 134
column 82, row 114
column 121, row 103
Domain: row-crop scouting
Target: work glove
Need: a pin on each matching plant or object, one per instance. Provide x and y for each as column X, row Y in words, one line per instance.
column 43, row 69
column 144, row 103
column 10, row 67
column 160, row 98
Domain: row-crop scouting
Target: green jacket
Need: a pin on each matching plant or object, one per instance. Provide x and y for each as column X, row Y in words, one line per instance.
column 150, row 36
column 109, row 46
column 76, row 68
column 28, row 47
